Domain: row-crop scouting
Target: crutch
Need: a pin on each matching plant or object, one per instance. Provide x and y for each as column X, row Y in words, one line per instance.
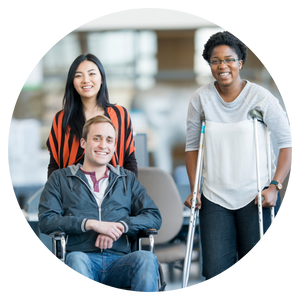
column 257, row 116
column 272, row 211
column 193, row 215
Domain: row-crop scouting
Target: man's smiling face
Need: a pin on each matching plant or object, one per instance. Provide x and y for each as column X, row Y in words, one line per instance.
column 100, row 145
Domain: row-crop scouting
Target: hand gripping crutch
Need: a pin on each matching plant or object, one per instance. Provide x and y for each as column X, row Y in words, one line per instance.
column 193, row 215
column 256, row 116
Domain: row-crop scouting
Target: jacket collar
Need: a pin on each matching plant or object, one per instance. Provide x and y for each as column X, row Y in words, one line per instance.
column 116, row 170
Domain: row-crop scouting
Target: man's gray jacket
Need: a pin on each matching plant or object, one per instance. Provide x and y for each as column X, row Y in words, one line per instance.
column 67, row 202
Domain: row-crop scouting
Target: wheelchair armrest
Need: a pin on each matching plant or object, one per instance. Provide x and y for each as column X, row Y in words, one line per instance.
column 147, row 232
column 60, row 252
column 57, row 234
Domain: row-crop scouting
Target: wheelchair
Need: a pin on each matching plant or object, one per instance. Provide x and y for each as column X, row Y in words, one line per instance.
column 59, row 249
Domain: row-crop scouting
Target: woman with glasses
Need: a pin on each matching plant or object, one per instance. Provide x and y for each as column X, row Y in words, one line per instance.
column 86, row 96
column 228, row 205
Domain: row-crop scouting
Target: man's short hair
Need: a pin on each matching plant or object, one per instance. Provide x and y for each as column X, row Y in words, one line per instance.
column 97, row 119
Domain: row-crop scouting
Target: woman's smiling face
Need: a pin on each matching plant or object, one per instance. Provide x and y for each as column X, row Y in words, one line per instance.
column 87, row 80
column 225, row 74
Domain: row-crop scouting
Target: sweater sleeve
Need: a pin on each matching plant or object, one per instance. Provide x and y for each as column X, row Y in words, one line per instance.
column 52, row 166
column 193, row 123
column 125, row 148
column 64, row 147
column 130, row 164
column 274, row 117
column 53, row 141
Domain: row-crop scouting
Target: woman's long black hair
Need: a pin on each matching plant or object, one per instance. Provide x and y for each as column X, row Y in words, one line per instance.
column 72, row 104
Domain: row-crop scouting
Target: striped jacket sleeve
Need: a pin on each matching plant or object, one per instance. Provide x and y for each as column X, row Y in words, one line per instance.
column 64, row 147
column 125, row 148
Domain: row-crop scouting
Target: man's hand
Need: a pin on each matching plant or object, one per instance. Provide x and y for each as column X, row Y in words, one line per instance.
column 270, row 195
column 104, row 242
column 111, row 229
column 188, row 201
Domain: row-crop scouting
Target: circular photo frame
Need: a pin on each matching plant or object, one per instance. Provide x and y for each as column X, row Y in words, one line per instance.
column 153, row 57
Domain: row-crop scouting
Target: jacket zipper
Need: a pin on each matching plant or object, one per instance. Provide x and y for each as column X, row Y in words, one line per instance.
column 99, row 208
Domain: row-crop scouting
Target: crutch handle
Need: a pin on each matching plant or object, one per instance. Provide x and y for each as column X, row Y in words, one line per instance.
column 272, row 210
column 256, row 115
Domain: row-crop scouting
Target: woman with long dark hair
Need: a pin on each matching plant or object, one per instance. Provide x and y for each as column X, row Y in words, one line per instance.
column 86, row 96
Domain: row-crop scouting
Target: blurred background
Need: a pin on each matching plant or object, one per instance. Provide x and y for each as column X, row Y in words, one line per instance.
column 153, row 65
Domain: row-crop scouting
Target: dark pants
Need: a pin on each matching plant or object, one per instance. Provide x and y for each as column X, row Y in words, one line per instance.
column 228, row 235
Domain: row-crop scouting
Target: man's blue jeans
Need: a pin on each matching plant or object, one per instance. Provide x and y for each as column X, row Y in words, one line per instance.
column 137, row 270
column 228, row 235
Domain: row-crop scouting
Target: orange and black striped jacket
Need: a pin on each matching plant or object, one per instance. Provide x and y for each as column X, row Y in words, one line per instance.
column 65, row 149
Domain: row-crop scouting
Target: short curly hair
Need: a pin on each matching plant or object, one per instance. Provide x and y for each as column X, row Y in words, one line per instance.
column 225, row 38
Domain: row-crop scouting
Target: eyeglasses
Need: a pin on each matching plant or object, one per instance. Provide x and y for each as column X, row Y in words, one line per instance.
column 227, row 61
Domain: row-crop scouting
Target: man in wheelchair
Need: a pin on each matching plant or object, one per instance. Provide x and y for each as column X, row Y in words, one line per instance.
column 100, row 207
